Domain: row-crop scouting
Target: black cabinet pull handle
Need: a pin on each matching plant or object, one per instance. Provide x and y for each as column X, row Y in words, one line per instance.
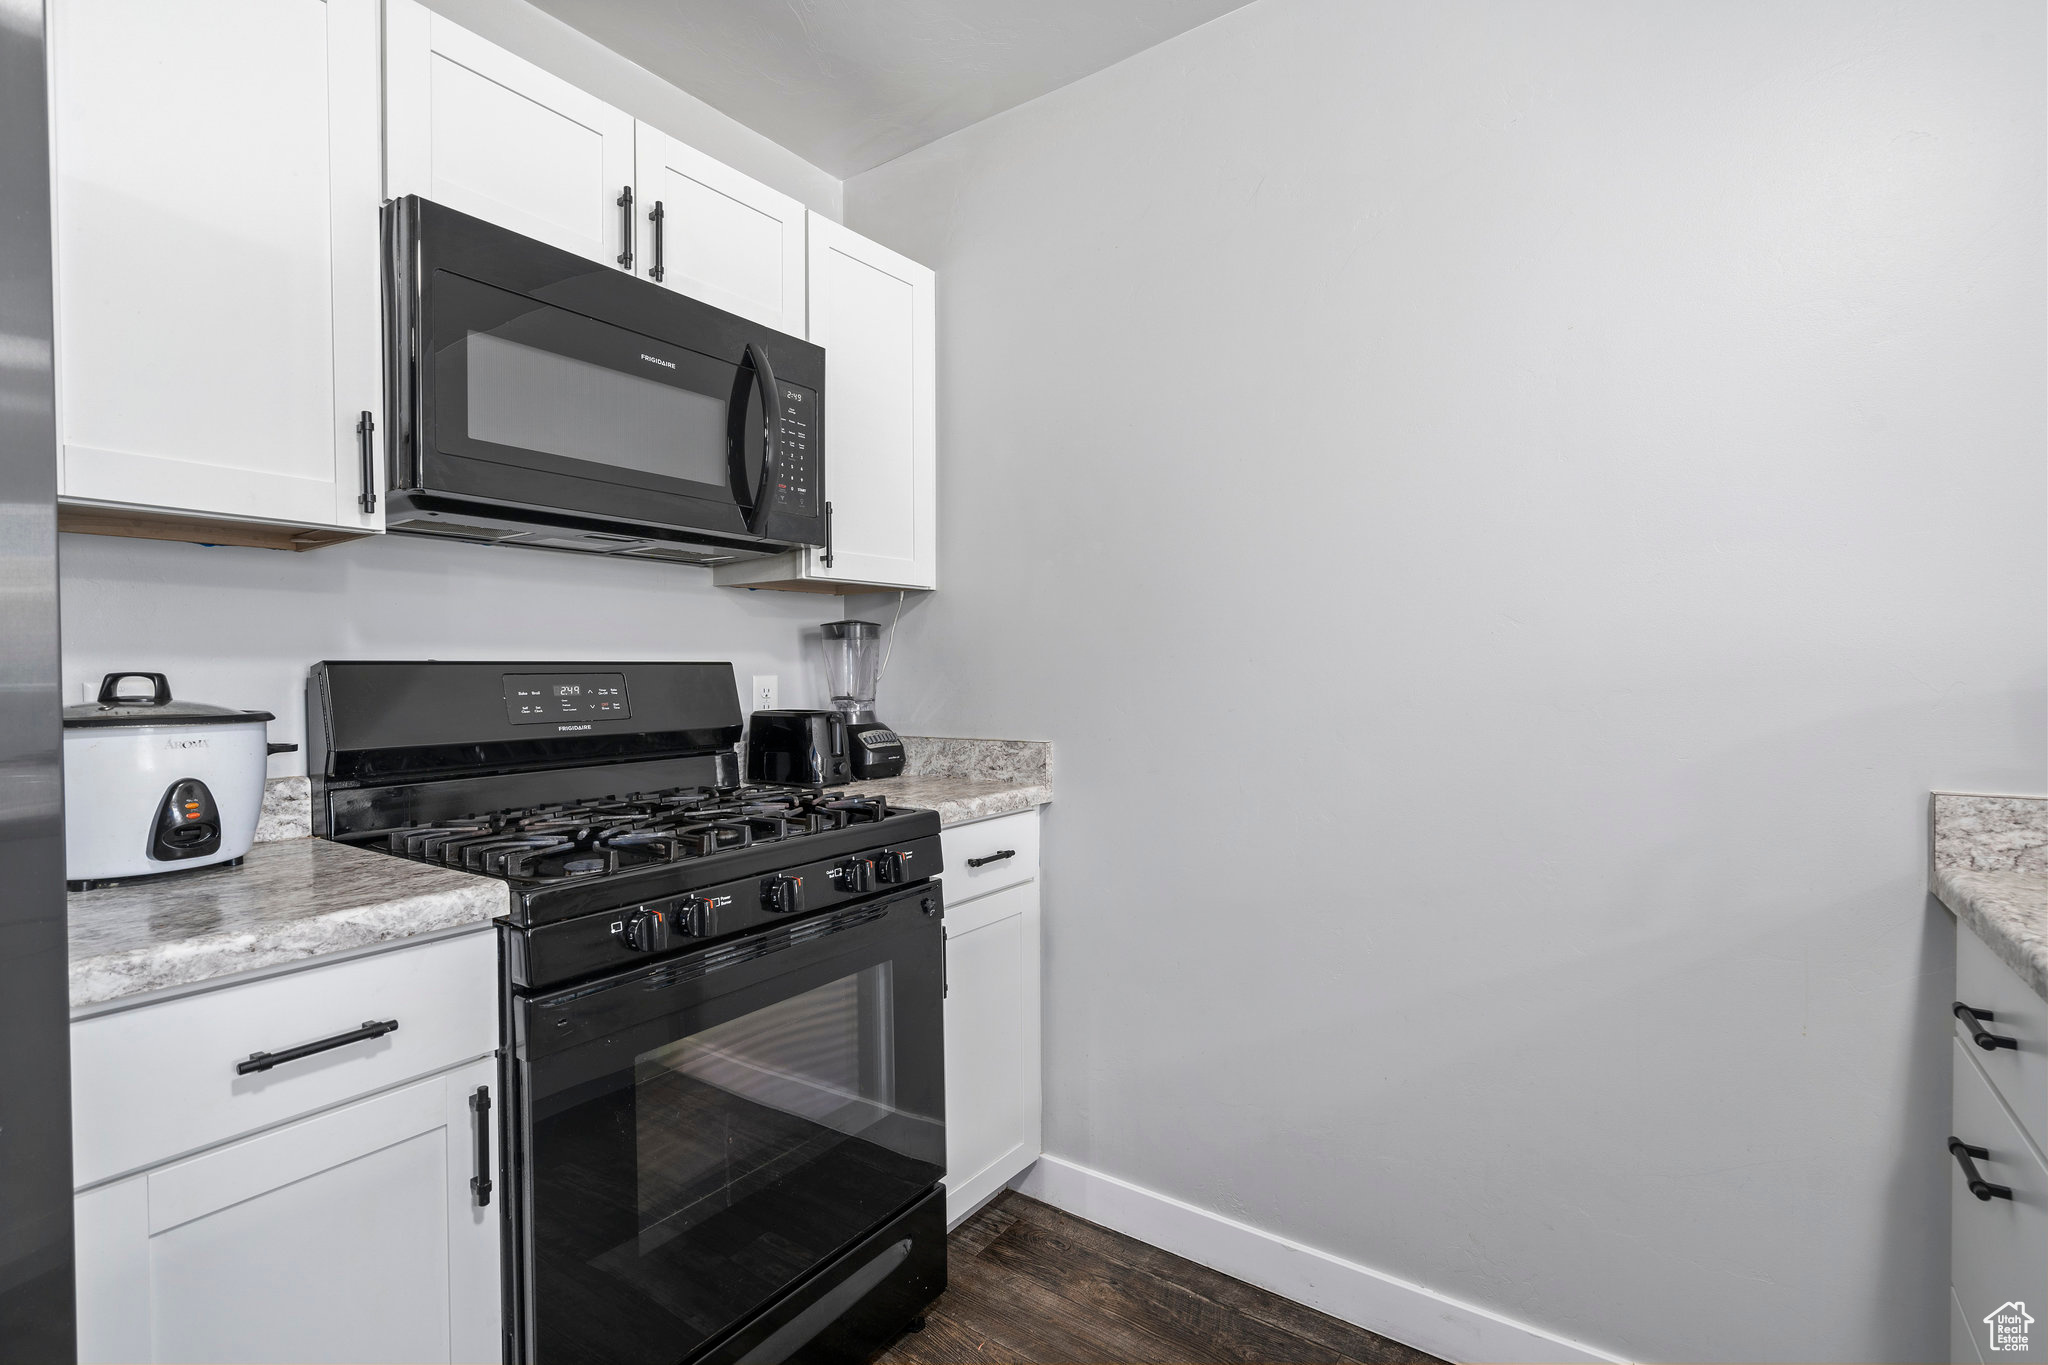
column 625, row 203
column 263, row 1061
column 656, row 271
column 1990, row 1042
column 828, row 535
column 366, row 427
column 992, row 858
column 480, row 1183
column 1979, row 1186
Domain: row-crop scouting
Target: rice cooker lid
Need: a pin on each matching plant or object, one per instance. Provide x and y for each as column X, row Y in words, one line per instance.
column 115, row 708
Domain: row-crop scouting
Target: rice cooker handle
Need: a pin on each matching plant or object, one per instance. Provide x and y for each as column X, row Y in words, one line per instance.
column 110, row 690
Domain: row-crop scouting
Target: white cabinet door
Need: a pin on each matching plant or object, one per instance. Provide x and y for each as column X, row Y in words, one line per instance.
column 217, row 254
column 875, row 313
column 353, row 1235
column 993, row 1093
column 475, row 128
column 1998, row 1247
column 716, row 235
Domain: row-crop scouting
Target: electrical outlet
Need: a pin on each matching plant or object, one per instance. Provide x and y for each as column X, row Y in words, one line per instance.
column 764, row 691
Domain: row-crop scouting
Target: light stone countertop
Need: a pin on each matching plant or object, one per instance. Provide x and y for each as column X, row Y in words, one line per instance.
column 959, row 799
column 969, row 779
column 1991, row 870
column 289, row 901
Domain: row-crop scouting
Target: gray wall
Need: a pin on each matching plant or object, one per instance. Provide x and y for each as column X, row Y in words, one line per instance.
column 576, row 57
column 240, row 627
column 1506, row 510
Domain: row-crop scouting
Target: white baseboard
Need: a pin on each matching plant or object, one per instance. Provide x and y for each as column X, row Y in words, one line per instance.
column 1369, row 1298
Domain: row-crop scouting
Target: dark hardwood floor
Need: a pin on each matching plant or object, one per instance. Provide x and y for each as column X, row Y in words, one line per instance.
column 1028, row 1283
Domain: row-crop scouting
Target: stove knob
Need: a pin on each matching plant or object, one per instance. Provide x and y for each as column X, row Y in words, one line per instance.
column 647, row 930
column 893, row 867
column 782, row 894
column 857, row 874
column 693, row 917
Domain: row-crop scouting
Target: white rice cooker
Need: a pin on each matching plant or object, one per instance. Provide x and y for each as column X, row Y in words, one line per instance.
column 155, row 785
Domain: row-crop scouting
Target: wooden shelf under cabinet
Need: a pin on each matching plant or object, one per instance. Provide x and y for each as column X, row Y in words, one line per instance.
column 123, row 521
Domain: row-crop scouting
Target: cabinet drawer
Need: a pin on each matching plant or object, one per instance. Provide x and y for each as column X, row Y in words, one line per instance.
column 988, row 841
column 1998, row 1247
column 154, row 1082
column 2019, row 1073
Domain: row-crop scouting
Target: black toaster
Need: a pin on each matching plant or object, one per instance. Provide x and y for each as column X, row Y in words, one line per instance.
column 801, row 748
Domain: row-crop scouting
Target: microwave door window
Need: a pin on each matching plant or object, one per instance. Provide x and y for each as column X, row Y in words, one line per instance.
column 528, row 398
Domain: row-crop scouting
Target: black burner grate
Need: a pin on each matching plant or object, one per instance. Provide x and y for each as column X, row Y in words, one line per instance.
column 613, row 833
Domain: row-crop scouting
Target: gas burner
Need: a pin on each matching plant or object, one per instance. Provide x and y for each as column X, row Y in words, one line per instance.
column 612, row 833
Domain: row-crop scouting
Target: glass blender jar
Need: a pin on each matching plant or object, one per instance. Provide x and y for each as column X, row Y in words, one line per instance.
column 853, row 666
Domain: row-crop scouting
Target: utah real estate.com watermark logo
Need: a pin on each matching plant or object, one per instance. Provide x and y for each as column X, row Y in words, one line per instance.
column 2005, row 1327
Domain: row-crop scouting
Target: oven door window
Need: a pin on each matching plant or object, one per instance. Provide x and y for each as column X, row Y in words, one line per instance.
column 724, row 1151
column 523, row 384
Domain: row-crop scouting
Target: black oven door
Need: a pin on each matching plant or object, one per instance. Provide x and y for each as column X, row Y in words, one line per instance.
column 701, row 1140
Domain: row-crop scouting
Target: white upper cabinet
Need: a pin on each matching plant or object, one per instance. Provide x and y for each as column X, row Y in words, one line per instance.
column 492, row 135
column 707, row 231
column 216, row 178
column 874, row 312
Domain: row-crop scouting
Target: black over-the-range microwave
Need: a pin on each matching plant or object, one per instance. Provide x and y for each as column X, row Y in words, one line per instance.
column 539, row 398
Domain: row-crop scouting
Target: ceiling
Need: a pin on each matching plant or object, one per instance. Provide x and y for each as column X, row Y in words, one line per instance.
column 850, row 84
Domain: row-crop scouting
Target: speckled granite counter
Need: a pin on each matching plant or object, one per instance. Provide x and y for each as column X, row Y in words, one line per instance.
column 1991, row 870
column 969, row 779
column 289, row 900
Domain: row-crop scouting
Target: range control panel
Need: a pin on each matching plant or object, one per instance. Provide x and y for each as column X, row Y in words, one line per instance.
column 796, row 486
column 565, row 698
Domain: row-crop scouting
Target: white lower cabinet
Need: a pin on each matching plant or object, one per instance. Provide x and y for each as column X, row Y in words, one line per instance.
column 993, row 1091
column 324, row 1207
column 1998, row 1243
column 353, row 1235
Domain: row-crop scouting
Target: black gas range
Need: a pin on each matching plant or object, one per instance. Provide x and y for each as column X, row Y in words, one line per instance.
column 724, row 1126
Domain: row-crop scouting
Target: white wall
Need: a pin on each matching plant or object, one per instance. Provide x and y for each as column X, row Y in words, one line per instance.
column 240, row 627
column 617, row 79
column 1506, row 511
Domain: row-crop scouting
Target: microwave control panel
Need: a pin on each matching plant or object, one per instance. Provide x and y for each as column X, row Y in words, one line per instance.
column 796, row 487
column 565, row 698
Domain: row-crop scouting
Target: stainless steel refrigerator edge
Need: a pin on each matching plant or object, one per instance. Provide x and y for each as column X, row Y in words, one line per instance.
column 37, row 1317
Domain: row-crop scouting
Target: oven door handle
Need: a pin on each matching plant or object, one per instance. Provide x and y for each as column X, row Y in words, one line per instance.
column 757, row 501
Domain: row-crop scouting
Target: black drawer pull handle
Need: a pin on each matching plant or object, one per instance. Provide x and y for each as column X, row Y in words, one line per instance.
column 1979, row 1186
column 1990, row 1042
column 992, row 858
column 625, row 203
column 480, row 1183
column 263, row 1061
